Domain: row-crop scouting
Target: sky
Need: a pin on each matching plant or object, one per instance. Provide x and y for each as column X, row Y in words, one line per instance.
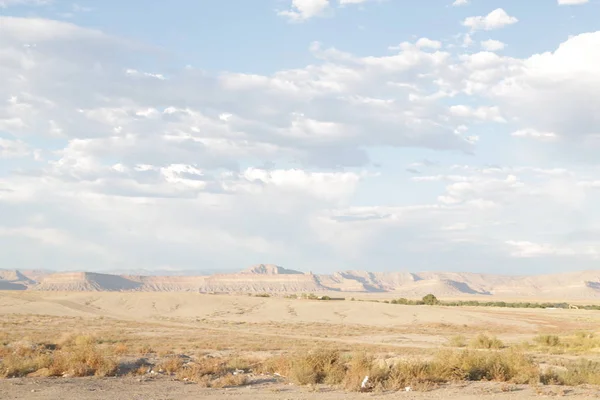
column 319, row 135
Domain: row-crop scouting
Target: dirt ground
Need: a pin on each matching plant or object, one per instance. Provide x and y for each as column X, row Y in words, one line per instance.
column 225, row 326
column 164, row 389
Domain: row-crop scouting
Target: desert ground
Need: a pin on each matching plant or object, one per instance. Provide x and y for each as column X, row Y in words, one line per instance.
column 143, row 332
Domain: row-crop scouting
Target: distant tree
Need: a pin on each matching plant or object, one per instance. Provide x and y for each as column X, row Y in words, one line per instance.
column 430, row 300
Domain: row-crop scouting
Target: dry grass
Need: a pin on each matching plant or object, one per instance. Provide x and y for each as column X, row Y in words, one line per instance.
column 578, row 343
column 211, row 372
column 346, row 351
column 457, row 341
column 121, row 349
column 86, row 355
column 171, row 365
column 73, row 355
column 483, row 341
column 229, row 380
column 349, row 371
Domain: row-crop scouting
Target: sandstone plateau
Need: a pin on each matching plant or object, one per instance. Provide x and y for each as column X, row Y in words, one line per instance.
column 274, row 279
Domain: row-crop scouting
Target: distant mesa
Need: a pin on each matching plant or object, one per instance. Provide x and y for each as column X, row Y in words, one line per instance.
column 270, row 269
column 270, row 278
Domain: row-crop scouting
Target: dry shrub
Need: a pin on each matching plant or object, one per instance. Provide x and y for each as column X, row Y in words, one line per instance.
column 503, row 366
column 171, row 365
column 202, row 371
column 145, row 349
column 457, row 341
column 578, row 373
column 14, row 365
column 362, row 365
column 121, row 349
column 322, row 366
column 241, row 364
column 483, row 341
column 74, row 339
column 80, row 356
column 275, row 365
column 547, row 340
column 229, row 380
column 419, row 375
column 580, row 343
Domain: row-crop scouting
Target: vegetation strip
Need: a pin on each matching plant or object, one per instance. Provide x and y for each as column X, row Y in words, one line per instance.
column 84, row 355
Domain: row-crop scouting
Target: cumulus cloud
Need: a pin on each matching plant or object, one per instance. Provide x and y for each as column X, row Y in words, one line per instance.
column 525, row 249
column 494, row 20
column 13, row 148
column 185, row 163
column 301, row 10
column 492, row 45
column 457, row 3
column 534, row 90
column 428, row 43
column 355, row 1
column 482, row 113
column 572, row 2
column 532, row 133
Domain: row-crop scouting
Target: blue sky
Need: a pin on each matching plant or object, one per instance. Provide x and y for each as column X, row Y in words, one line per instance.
column 315, row 134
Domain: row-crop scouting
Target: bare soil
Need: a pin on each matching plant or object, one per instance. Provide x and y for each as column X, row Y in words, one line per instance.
column 165, row 389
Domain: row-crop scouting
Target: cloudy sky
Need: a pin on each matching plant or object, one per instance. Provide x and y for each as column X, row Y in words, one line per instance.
column 315, row 134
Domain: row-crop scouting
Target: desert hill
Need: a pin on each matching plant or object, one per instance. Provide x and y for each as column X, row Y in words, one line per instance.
column 267, row 278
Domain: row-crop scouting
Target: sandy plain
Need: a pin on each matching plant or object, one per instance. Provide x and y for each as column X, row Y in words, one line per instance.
column 154, row 325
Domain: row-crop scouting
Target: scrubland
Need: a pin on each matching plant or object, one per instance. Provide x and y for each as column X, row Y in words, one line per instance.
column 274, row 345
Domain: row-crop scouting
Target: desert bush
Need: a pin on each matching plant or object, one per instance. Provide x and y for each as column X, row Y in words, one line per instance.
column 322, row 366
column 121, row 349
column 240, row 364
column 581, row 342
column 361, row 365
column 547, row 340
column 503, row 366
column 229, row 380
column 211, row 372
column 171, row 365
column 82, row 357
column 457, row 341
column 145, row 349
column 14, row 365
column 76, row 355
column 430, row 300
column 483, row 341
column 419, row 375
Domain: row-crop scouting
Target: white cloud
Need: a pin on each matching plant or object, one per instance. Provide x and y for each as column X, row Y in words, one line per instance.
column 8, row 3
column 275, row 164
column 525, row 249
column 483, row 113
column 342, row 2
column 532, row 133
column 457, row 3
column 302, row 10
column 428, row 43
column 13, row 148
column 467, row 40
column 552, row 94
column 492, row 45
column 572, row 2
column 494, row 20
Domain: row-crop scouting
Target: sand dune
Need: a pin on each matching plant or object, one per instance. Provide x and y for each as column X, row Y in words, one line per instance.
column 275, row 279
